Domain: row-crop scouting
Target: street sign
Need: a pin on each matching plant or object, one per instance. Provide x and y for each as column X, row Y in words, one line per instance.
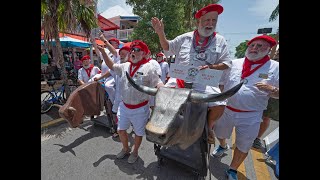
column 264, row 30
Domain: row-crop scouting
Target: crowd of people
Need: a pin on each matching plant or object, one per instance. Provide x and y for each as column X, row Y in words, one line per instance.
column 202, row 48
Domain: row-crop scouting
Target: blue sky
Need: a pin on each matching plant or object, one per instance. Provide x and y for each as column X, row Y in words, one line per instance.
column 239, row 21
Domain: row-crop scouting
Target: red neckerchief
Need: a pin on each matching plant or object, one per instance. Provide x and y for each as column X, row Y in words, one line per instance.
column 161, row 61
column 246, row 70
column 88, row 71
column 180, row 83
column 136, row 65
column 149, row 59
column 197, row 38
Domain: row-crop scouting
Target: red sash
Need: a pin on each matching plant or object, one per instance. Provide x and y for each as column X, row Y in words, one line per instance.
column 236, row 110
column 180, row 83
column 135, row 106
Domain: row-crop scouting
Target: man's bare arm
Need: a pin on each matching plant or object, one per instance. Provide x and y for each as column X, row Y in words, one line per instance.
column 158, row 27
column 106, row 58
column 109, row 46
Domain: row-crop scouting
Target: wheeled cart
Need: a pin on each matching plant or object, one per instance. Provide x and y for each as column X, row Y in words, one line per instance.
column 194, row 158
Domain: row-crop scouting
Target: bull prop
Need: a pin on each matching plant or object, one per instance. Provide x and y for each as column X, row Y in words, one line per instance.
column 179, row 115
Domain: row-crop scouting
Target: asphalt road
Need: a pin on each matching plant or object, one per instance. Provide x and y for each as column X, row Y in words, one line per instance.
column 89, row 153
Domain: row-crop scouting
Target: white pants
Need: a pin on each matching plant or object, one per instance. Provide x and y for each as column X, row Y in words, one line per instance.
column 137, row 117
column 246, row 128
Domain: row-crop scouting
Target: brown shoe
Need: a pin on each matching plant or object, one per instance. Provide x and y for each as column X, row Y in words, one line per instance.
column 211, row 137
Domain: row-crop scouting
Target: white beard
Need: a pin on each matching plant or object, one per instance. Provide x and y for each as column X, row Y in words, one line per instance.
column 258, row 56
column 205, row 33
column 86, row 66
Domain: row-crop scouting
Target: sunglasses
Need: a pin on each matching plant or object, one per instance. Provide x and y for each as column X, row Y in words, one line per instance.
column 135, row 49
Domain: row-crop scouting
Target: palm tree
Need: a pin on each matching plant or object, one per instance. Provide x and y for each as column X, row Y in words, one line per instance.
column 66, row 16
column 274, row 15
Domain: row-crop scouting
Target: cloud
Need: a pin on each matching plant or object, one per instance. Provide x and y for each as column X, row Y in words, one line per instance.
column 105, row 4
column 263, row 8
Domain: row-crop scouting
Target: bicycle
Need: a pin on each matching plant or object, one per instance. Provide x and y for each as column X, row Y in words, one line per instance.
column 55, row 96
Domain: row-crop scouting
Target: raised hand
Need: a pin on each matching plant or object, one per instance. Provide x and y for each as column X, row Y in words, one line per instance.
column 157, row 25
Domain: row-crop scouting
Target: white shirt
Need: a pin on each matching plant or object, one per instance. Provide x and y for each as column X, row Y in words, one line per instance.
column 83, row 76
column 105, row 68
column 156, row 66
column 217, row 52
column 165, row 70
column 145, row 75
column 249, row 97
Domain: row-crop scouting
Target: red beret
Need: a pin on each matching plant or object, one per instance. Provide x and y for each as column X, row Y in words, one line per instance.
column 85, row 57
column 127, row 48
column 269, row 39
column 160, row 54
column 209, row 8
column 115, row 40
column 140, row 44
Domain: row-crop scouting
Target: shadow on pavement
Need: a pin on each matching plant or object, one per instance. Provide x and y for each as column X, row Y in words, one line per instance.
column 218, row 168
column 93, row 131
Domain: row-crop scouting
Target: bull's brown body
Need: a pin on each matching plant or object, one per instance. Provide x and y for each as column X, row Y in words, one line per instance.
column 87, row 99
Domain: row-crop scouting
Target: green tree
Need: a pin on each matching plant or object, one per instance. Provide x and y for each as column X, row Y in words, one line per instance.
column 274, row 15
column 178, row 18
column 66, row 16
column 241, row 49
column 170, row 11
column 190, row 8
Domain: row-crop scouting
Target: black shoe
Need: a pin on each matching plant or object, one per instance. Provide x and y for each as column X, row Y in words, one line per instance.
column 257, row 144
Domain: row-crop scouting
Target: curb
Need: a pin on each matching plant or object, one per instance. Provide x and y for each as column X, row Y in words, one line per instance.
column 52, row 123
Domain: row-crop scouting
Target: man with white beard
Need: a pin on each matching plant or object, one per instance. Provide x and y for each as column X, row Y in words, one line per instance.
column 134, row 107
column 244, row 109
column 88, row 71
column 203, row 48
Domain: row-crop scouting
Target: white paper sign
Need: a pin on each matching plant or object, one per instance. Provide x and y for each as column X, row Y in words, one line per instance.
column 209, row 77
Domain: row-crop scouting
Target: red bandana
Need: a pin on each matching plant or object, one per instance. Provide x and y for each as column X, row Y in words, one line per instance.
column 89, row 70
column 136, row 65
column 205, row 42
column 246, row 70
column 180, row 83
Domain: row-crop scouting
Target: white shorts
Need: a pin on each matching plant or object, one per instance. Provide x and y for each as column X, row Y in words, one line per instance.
column 137, row 117
column 246, row 132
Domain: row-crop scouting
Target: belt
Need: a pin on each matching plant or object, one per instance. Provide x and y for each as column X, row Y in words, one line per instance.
column 135, row 106
column 237, row 110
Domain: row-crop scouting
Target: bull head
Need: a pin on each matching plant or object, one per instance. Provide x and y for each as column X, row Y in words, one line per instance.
column 179, row 115
column 194, row 96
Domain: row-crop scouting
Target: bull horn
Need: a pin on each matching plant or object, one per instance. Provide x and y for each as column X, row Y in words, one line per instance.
column 200, row 97
column 141, row 88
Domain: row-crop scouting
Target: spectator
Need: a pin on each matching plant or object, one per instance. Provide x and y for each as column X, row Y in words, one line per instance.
column 88, row 71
